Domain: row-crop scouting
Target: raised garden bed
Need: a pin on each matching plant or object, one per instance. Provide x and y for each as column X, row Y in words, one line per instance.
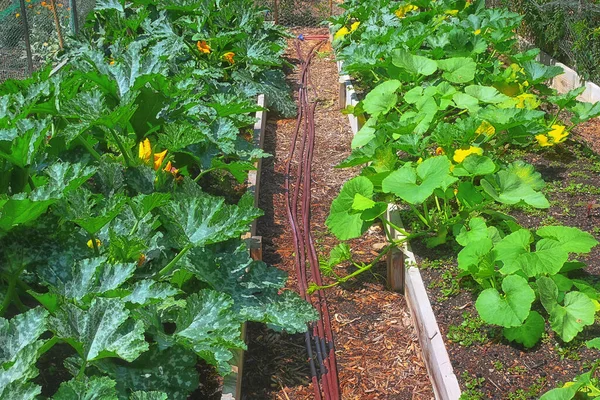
column 376, row 104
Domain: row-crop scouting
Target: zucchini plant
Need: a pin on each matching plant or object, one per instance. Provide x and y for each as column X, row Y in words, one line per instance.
column 121, row 263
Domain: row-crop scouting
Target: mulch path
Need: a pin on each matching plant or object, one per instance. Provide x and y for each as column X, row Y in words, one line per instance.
column 377, row 347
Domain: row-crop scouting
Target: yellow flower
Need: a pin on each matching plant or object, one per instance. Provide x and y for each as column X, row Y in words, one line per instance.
column 169, row 168
column 17, row 15
column 402, row 11
column 343, row 31
column 461, row 154
column 477, row 32
column 90, row 244
column 543, row 140
column 145, row 151
column 203, row 47
column 526, row 100
column 558, row 134
column 486, row 128
column 229, row 57
column 354, row 26
column 420, row 160
column 451, row 12
column 158, row 159
column 439, row 151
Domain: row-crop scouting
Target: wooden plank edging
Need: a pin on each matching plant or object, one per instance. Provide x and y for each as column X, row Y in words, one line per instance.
column 444, row 381
column 232, row 383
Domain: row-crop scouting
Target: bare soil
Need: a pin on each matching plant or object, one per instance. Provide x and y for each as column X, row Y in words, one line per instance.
column 508, row 371
column 377, row 348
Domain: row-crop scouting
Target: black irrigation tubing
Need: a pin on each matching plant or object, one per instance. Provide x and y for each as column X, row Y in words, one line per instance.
column 319, row 336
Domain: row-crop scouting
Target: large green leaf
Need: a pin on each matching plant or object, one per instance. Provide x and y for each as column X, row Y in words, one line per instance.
column 510, row 188
column 94, row 388
column 171, row 370
column 458, row 69
column 205, row 220
column 547, row 259
column 486, row 94
column 382, row 98
column 208, row 327
column 528, row 334
column 569, row 319
column 104, row 330
column 585, row 111
column 548, row 292
column 510, row 309
column 477, row 231
column 85, row 277
column 511, row 247
column 412, row 63
column 20, row 332
column 343, row 221
column 537, row 72
column 572, row 240
column 147, row 290
column 415, row 185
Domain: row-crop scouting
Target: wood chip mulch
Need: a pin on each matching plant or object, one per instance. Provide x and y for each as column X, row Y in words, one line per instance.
column 378, row 352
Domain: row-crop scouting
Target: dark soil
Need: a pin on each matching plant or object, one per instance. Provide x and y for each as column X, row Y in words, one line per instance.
column 377, row 348
column 493, row 368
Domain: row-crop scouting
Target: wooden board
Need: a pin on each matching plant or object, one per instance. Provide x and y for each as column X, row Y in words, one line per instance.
column 439, row 367
column 232, row 383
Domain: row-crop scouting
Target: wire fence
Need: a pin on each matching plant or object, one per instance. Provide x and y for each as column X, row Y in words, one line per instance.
column 32, row 32
column 568, row 30
column 301, row 13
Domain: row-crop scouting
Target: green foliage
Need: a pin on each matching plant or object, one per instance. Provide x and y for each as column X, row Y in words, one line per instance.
column 111, row 249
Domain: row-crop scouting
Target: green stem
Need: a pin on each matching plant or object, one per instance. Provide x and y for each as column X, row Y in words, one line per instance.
column 358, row 271
column 95, row 245
column 8, row 297
column 126, row 156
column 173, row 262
column 81, row 372
column 421, row 217
column 89, row 148
column 201, row 174
column 396, row 228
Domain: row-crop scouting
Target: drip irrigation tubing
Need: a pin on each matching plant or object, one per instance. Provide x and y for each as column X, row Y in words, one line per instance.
column 319, row 338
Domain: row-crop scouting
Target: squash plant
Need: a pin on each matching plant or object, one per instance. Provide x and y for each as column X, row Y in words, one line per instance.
column 116, row 264
column 447, row 97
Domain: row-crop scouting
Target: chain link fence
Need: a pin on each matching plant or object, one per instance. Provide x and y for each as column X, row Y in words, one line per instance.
column 32, row 32
column 300, row 13
column 568, row 30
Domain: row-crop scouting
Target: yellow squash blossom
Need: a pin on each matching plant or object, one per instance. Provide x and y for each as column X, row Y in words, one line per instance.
column 90, row 244
column 158, row 159
column 527, row 100
column 451, row 12
column 485, row 128
column 543, row 140
column 439, row 151
column 229, row 57
column 420, row 160
column 461, row 154
column 354, row 26
column 477, row 32
column 145, row 151
column 203, row 47
column 558, row 134
column 343, row 31
column 402, row 11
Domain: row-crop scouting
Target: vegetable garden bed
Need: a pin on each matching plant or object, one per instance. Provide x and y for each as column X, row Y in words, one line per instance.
column 424, row 88
column 123, row 196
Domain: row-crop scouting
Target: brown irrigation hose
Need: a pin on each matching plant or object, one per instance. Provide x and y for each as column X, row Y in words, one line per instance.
column 319, row 333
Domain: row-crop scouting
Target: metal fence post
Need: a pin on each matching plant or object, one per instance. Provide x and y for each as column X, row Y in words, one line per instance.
column 26, row 36
column 74, row 17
